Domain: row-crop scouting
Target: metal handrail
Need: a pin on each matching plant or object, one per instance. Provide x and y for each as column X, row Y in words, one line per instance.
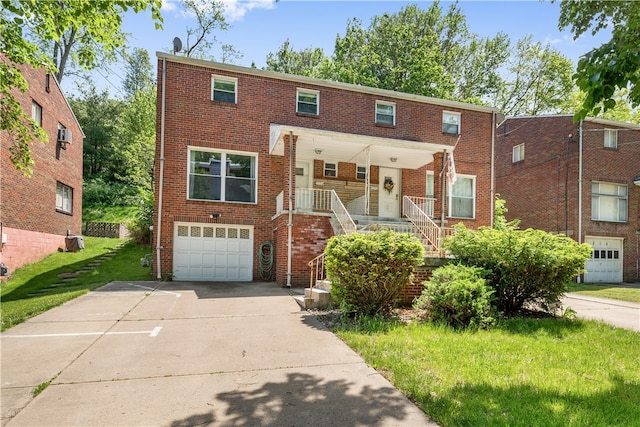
column 341, row 213
column 427, row 204
column 318, row 271
column 427, row 227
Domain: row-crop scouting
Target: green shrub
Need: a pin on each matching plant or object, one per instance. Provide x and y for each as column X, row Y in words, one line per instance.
column 528, row 268
column 369, row 271
column 96, row 191
column 458, row 296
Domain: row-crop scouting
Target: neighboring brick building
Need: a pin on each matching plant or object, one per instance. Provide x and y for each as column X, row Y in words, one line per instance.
column 538, row 175
column 225, row 165
column 36, row 212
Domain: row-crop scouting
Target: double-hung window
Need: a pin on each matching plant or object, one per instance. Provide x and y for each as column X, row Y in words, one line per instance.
column 451, row 122
column 308, row 101
column 222, row 176
column 330, row 169
column 36, row 112
column 462, row 197
column 611, row 138
column 361, row 172
column 385, row 113
column 223, row 89
column 609, row 202
column 518, row 153
column 64, row 198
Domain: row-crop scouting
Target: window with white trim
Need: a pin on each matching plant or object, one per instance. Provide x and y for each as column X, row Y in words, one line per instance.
column 462, row 197
column 64, row 198
column 330, row 169
column 308, row 101
column 611, row 138
column 518, row 153
column 451, row 122
column 361, row 172
column 223, row 89
column 430, row 189
column 222, row 176
column 609, row 202
column 385, row 113
column 36, row 112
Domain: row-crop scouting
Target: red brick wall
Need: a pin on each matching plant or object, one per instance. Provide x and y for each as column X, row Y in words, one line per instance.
column 28, row 204
column 542, row 190
column 192, row 119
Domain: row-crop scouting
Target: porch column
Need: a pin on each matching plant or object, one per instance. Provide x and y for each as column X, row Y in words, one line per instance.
column 438, row 179
column 289, row 167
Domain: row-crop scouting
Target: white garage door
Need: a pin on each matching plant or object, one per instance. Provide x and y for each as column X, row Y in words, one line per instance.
column 605, row 264
column 215, row 252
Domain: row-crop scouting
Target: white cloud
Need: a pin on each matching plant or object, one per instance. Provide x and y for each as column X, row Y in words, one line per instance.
column 236, row 9
column 168, row 5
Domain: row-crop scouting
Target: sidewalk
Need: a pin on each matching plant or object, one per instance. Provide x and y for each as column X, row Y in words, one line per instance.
column 617, row 313
column 178, row 354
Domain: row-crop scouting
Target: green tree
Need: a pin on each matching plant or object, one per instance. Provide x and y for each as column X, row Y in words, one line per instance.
column 613, row 65
column 537, row 80
column 98, row 21
column 209, row 17
column 306, row 62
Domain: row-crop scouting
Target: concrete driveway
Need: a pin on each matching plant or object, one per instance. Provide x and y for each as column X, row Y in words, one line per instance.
column 186, row 354
column 622, row 314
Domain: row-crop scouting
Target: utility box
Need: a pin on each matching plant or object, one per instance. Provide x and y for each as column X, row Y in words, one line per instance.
column 74, row 243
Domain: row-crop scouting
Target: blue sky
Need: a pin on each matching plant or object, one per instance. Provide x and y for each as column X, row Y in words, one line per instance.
column 261, row 26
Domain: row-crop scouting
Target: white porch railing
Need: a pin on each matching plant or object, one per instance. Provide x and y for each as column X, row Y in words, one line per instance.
column 341, row 214
column 425, row 203
column 429, row 229
column 313, row 199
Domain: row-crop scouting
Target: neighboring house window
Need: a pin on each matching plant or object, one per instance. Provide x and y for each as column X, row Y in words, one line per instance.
column 36, row 112
column 611, row 138
column 222, row 176
column 385, row 113
column 64, row 198
column 608, row 202
column 518, row 153
column 308, row 101
column 430, row 190
column 450, row 122
column 330, row 169
column 462, row 196
column 361, row 172
column 223, row 89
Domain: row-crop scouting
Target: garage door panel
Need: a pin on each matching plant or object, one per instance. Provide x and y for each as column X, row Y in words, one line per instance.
column 606, row 262
column 217, row 252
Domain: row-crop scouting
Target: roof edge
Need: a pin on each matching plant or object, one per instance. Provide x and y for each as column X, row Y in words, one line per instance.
column 326, row 83
column 596, row 120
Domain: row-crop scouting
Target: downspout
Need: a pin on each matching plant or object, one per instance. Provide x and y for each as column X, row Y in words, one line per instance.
column 290, row 224
column 442, row 195
column 580, row 188
column 161, row 179
column 493, row 151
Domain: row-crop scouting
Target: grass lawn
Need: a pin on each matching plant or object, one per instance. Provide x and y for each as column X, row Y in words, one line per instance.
column 31, row 291
column 524, row 372
column 621, row 293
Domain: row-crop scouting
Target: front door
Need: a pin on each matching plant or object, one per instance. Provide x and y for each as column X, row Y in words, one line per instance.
column 304, row 196
column 389, row 193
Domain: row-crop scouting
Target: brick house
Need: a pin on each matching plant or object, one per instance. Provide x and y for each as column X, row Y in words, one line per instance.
column 36, row 212
column 255, row 170
column 540, row 162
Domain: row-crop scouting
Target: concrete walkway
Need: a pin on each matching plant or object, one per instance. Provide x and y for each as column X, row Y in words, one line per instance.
column 186, row 354
column 617, row 313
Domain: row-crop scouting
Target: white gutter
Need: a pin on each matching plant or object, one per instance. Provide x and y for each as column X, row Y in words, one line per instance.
column 580, row 189
column 290, row 224
column 493, row 151
column 161, row 179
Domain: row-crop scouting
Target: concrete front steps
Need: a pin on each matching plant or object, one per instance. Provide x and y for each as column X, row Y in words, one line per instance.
column 318, row 297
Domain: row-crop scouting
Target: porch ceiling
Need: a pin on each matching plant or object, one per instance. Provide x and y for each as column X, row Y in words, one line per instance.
column 352, row 148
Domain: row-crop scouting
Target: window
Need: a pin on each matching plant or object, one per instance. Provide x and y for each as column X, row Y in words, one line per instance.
column 308, row 102
column 608, row 202
column 518, row 153
column 611, row 138
column 385, row 113
column 462, row 197
column 330, row 169
column 361, row 172
column 223, row 89
column 64, row 198
column 430, row 191
column 209, row 180
column 450, row 122
column 36, row 112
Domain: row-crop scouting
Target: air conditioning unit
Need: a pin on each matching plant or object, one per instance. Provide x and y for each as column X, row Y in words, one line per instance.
column 64, row 135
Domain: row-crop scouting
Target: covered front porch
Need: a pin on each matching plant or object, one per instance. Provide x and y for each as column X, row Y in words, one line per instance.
column 348, row 179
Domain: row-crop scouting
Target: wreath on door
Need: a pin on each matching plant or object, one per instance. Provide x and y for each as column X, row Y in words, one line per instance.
column 389, row 184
